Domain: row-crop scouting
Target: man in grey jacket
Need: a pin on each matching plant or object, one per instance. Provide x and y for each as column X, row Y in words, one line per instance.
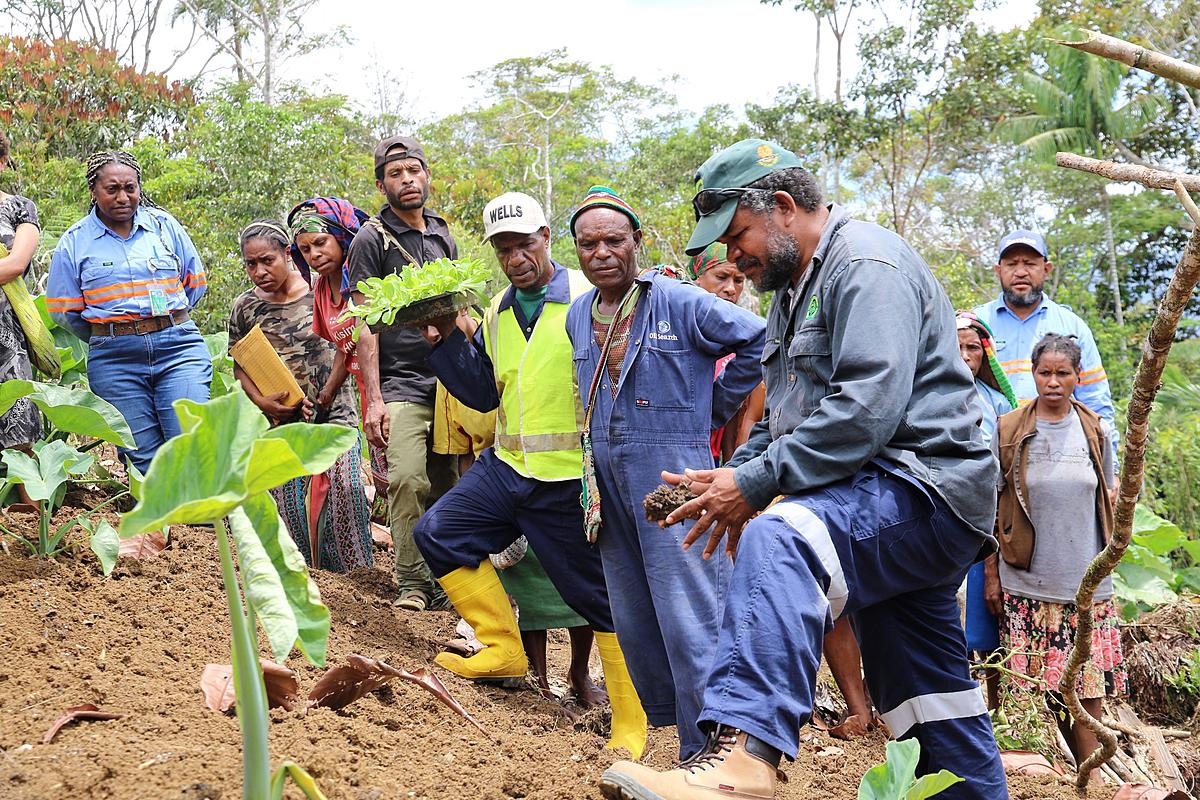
column 872, row 436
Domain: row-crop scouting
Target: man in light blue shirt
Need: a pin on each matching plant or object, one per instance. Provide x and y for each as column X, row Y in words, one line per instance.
column 1022, row 315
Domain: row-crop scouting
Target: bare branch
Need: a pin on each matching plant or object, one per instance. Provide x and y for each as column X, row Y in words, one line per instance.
column 1189, row 205
column 1137, row 57
column 1129, row 173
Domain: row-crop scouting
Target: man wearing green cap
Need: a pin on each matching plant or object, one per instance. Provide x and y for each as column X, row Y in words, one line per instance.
column 645, row 350
column 872, row 435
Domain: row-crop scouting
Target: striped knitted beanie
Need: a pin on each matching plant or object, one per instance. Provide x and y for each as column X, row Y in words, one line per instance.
column 968, row 319
column 602, row 196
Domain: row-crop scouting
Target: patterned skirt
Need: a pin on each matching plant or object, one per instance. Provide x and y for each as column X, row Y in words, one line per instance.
column 1040, row 635
column 344, row 525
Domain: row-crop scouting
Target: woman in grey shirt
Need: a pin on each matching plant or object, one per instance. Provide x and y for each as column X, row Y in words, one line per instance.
column 1056, row 487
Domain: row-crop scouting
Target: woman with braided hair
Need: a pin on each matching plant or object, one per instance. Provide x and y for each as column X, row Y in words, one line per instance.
column 327, row 514
column 123, row 279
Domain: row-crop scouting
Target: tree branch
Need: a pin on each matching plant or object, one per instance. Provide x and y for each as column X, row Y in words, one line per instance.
column 1129, row 173
column 1189, row 205
column 1137, row 57
column 1133, row 468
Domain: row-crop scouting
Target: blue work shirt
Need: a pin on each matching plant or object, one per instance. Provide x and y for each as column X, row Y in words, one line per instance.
column 1015, row 338
column 992, row 405
column 666, row 388
column 464, row 367
column 97, row 276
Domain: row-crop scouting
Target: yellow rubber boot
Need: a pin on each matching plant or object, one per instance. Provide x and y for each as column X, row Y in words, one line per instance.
column 478, row 596
column 628, row 718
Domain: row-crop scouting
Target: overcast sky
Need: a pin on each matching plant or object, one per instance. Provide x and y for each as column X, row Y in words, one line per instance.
column 724, row 51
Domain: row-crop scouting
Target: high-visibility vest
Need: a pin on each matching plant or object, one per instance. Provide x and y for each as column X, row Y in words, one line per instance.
column 540, row 415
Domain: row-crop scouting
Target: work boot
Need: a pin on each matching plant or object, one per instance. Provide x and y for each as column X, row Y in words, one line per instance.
column 732, row 765
column 628, row 717
column 480, row 599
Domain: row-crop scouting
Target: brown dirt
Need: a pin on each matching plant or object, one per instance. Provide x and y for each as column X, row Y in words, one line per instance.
column 138, row 641
column 666, row 498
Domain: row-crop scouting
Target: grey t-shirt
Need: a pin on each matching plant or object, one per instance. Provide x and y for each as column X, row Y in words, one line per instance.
column 1062, row 507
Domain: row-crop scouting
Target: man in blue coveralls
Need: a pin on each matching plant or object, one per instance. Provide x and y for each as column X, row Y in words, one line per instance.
column 653, row 405
column 519, row 363
column 1022, row 315
column 871, row 433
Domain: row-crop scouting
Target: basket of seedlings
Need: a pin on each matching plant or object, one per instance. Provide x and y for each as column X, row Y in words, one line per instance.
column 435, row 289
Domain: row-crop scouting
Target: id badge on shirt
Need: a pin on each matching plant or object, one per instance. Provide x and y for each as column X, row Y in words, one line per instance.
column 158, row 301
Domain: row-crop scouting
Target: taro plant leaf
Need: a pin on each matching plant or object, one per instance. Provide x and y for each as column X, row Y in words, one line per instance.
column 929, row 785
column 70, row 408
column 1158, row 535
column 46, row 475
column 1136, row 584
column 891, row 779
column 284, row 598
column 302, row 779
column 298, row 448
column 105, row 543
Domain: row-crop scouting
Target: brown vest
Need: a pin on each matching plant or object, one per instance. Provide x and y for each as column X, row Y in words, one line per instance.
column 1014, row 529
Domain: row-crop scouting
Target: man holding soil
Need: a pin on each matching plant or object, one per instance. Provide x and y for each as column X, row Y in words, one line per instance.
column 519, row 363
column 399, row 384
column 645, row 351
column 872, row 434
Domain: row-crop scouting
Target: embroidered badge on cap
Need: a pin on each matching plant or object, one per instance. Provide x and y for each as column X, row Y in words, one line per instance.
column 767, row 155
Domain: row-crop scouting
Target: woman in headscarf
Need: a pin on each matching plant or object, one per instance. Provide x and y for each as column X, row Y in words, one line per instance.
column 321, row 230
column 996, row 398
column 327, row 514
column 123, row 279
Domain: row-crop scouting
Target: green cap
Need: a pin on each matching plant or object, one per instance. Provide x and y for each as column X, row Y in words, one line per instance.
column 737, row 166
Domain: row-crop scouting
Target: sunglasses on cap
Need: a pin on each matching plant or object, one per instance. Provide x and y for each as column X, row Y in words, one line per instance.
column 709, row 201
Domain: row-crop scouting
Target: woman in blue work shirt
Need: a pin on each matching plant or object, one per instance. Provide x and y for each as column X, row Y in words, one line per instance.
column 123, row 279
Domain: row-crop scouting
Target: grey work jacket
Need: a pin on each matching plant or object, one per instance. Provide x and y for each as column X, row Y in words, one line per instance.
column 861, row 362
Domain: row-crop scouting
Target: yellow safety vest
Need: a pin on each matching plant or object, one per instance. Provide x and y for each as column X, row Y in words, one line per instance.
column 540, row 414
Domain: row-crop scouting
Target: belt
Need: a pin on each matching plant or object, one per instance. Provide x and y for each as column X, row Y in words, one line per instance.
column 139, row 327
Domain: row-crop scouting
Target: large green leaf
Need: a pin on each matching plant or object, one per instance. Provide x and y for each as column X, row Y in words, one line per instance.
column 929, row 785
column 1158, row 535
column 70, row 408
column 106, row 544
column 46, row 474
column 1135, row 583
column 226, row 454
column 277, row 585
column 891, row 779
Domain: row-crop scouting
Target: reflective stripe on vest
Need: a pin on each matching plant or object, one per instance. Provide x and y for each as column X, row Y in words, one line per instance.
column 540, row 415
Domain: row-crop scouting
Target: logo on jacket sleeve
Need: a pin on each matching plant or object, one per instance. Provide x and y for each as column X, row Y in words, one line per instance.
column 814, row 305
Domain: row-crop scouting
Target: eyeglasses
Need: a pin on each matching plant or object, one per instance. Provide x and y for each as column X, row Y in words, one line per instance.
column 709, row 201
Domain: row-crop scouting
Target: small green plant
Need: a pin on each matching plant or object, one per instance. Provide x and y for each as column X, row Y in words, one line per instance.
column 385, row 297
column 223, row 379
column 55, row 462
column 220, row 470
column 1186, row 680
column 896, row 778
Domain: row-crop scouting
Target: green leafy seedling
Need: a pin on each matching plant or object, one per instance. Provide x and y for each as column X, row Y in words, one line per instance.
column 384, row 297
column 220, row 468
column 895, row 779
column 45, row 474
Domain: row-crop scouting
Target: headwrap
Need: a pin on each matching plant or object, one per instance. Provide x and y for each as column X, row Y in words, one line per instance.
column 716, row 253
column 604, row 197
column 331, row 215
column 967, row 319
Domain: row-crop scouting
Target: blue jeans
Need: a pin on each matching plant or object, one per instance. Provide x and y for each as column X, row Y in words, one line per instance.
column 879, row 547
column 143, row 375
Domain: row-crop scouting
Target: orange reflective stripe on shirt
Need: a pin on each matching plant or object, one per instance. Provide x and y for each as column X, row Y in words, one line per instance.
column 64, row 303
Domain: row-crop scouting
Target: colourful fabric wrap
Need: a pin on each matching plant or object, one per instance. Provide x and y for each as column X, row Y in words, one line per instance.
column 331, row 215
column 604, row 197
column 967, row 319
column 715, row 253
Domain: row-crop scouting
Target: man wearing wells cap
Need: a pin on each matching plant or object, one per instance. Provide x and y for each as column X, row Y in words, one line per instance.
column 519, row 363
column 871, row 434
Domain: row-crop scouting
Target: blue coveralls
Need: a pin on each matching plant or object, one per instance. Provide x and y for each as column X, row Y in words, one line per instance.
column 493, row 504
column 666, row 603
column 872, row 434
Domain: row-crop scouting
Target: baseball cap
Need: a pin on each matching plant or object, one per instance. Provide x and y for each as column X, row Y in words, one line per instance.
column 737, row 166
column 1028, row 238
column 394, row 148
column 512, row 212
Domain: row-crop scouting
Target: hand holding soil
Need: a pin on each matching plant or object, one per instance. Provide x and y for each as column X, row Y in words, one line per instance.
column 666, row 498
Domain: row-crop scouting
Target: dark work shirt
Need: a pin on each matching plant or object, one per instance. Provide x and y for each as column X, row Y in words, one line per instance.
column 404, row 375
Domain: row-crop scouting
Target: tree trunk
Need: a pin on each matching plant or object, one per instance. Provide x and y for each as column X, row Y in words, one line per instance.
column 238, row 36
column 268, row 69
column 549, row 178
column 1114, row 278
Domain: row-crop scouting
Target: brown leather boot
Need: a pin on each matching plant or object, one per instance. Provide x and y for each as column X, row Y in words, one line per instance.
column 732, row 766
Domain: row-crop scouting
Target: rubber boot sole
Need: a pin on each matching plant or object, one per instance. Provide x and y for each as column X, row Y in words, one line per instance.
column 618, row 786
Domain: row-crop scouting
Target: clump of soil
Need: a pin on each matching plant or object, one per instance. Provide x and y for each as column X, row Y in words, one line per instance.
column 666, row 498
column 1163, row 643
